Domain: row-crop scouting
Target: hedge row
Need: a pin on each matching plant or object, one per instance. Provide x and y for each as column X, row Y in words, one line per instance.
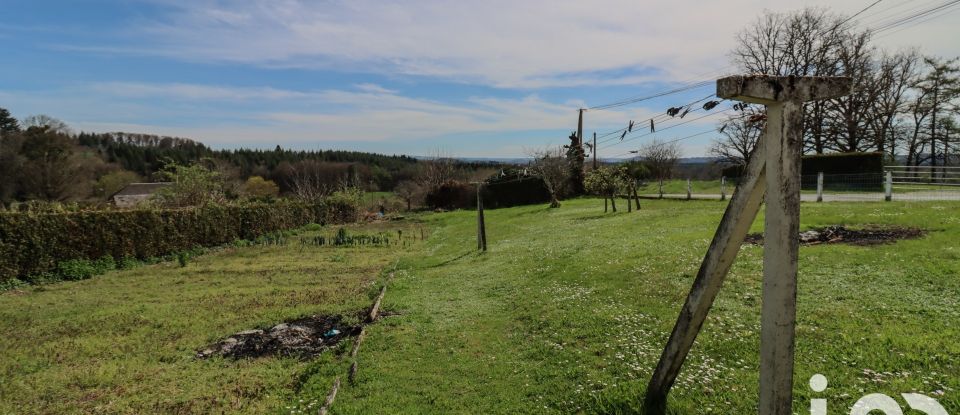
column 35, row 243
column 830, row 163
column 500, row 193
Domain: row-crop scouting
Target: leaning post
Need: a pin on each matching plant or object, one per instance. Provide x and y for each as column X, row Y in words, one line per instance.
column 481, row 226
column 772, row 175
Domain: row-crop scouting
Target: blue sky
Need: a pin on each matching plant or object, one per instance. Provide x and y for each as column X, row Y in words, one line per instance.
column 481, row 79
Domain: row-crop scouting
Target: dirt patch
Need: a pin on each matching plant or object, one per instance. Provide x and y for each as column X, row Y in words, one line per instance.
column 871, row 235
column 304, row 337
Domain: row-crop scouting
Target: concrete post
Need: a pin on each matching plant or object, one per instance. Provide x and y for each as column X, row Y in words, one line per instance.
column 820, row 187
column 688, row 189
column 888, row 187
column 781, row 247
column 723, row 188
column 775, row 172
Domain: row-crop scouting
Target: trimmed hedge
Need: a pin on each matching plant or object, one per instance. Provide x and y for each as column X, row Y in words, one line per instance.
column 515, row 191
column 497, row 193
column 842, row 163
column 32, row 243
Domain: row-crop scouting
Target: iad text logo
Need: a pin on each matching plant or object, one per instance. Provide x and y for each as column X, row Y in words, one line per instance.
column 876, row 402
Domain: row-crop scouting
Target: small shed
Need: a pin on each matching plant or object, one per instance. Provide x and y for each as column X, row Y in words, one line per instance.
column 135, row 193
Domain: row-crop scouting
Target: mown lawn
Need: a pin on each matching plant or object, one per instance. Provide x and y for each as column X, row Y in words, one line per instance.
column 652, row 187
column 566, row 313
column 124, row 342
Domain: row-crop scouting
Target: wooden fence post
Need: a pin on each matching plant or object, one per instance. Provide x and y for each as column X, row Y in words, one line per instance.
column 661, row 188
column 689, row 196
column 481, row 225
column 775, row 173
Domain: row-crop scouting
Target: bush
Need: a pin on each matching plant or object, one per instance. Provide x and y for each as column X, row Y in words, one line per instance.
column 33, row 244
column 514, row 191
column 452, row 195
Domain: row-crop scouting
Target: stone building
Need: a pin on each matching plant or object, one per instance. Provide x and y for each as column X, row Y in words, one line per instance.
column 136, row 193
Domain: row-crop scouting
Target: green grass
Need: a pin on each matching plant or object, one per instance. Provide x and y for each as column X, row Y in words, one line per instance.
column 680, row 187
column 124, row 342
column 570, row 308
column 567, row 312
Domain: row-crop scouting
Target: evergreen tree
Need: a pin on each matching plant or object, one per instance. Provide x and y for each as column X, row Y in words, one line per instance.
column 575, row 156
column 8, row 124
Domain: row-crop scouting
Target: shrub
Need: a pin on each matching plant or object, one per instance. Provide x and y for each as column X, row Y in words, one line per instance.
column 452, row 195
column 76, row 269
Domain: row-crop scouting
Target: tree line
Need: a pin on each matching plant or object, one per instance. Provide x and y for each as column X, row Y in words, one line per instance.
column 903, row 104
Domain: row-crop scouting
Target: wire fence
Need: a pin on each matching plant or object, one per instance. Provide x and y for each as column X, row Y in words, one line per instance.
column 897, row 184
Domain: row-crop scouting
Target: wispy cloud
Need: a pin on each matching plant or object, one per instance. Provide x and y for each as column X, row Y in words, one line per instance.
column 365, row 113
column 503, row 43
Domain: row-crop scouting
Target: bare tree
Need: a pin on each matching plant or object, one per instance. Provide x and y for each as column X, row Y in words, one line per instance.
column 660, row 157
column 551, row 166
column 310, row 181
column 739, row 137
column 896, row 74
column 408, row 191
column 438, row 170
column 794, row 43
column 43, row 120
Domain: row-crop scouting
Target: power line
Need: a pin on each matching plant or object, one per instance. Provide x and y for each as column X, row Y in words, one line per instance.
column 929, row 18
column 657, row 118
column 859, row 12
column 666, row 128
column 913, row 17
column 700, row 84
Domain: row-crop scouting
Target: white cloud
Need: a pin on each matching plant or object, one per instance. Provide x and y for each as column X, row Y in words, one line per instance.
column 314, row 117
column 504, row 43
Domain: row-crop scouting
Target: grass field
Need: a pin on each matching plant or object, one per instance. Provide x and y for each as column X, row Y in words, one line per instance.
column 567, row 312
column 680, row 187
column 124, row 342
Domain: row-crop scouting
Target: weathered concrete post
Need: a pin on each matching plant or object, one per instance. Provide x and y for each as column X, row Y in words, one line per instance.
column 888, row 187
column 723, row 188
column 820, row 186
column 688, row 190
column 775, row 171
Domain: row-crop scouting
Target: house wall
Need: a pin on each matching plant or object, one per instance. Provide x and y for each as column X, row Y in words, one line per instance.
column 129, row 200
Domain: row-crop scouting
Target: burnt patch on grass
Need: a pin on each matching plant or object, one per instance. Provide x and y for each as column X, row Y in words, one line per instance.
column 870, row 235
column 304, row 337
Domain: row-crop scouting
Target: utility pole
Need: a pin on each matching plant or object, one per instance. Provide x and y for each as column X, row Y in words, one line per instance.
column 481, row 226
column 580, row 128
column 594, row 150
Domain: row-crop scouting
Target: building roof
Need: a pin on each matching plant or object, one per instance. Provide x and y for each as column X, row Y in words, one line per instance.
column 134, row 189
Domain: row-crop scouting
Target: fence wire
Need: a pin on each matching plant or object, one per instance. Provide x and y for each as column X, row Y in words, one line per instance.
column 943, row 184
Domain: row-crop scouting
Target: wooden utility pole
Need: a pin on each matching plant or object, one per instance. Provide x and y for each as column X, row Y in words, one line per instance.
column 594, row 150
column 481, row 226
column 580, row 128
column 774, row 177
